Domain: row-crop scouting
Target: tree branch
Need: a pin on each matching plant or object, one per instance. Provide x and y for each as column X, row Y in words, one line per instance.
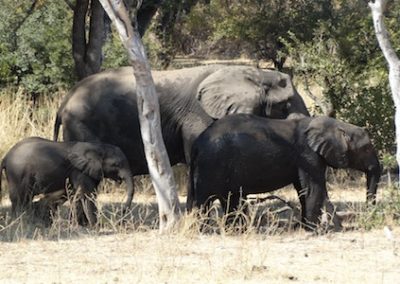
column 377, row 8
column 19, row 24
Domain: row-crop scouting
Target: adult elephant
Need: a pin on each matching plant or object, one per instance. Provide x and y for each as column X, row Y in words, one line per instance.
column 103, row 106
column 245, row 154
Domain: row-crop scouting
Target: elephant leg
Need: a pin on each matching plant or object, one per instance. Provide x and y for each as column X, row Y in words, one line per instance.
column 46, row 207
column 331, row 210
column 87, row 210
column 314, row 187
column 84, row 199
column 205, row 204
column 230, row 203
column 200, row 196
column 236, row 212
column 302, row 197
column 189, row 202
column 21, row 198
column 312, row 200
column 19, row 204
column 42, row 210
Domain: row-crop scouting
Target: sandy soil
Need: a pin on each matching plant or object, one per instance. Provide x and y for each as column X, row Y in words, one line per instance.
column 147, row 257
column 144, row 256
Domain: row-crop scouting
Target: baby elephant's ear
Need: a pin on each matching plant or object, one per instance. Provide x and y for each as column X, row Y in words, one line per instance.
column 326, row 137
column 88, row 162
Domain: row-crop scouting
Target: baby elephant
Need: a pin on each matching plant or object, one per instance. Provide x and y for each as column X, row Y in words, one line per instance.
column 243, row 154
column 38, row 166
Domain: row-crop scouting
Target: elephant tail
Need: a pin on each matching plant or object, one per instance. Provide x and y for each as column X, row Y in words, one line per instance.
column 57, row 124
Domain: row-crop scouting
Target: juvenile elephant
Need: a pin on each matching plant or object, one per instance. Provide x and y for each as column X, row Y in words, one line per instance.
column 103, row 107
column 246, row 154
column 38, row 166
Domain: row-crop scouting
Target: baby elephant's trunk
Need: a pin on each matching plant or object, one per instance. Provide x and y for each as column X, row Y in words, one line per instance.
column 127, row 177
column 373, row 176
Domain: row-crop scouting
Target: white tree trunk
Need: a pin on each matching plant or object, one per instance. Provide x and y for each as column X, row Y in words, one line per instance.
column 149, row 117
column 377, row 8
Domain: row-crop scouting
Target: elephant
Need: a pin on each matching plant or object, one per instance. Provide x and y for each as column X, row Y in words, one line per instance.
column 103, row 107
column 37, row 166
column 245, row 154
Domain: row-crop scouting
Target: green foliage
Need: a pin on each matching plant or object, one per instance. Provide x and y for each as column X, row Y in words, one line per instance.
column 36, row 48
column 255, row 27
column 114, row 52
column 388, row 161
column 344, row 59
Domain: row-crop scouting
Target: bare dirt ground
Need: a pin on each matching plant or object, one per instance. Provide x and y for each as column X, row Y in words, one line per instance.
column 147, row 257
column 141, row 255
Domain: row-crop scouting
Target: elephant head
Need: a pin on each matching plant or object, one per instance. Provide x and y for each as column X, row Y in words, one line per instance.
column 343, row 145
column 102, row 160
column 245, row 89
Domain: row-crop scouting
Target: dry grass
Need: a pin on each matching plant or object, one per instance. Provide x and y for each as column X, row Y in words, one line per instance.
column 128, row 249
column 19, row 118
column 134, row 252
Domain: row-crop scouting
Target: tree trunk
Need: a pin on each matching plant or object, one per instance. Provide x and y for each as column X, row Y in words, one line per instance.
column 149, row 117
column 377, row 8
column 87, row 53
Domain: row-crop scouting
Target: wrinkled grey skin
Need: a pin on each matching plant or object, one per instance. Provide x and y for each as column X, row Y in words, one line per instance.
column 245, row 154
column 38, row 166
column 103, row 107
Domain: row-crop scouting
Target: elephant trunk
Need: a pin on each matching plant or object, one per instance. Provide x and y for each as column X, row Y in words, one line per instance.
column 373, row 176
column 373, row 172
column 365, row 159
column 127, row 177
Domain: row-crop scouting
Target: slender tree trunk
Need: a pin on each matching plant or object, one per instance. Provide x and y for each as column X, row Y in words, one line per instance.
column 377, row 8
column 87, row 52
column 149, row 116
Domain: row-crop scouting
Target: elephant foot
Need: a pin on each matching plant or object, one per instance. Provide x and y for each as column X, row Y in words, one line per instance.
column 42, row 212
column 332, row 219
column 83, row 213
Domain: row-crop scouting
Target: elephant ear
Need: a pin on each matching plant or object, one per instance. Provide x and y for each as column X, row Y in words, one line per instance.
column 87, row 161
column 328, row 138
column 243, row 89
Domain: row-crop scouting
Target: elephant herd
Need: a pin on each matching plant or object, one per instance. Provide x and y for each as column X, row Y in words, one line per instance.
column 240, row 129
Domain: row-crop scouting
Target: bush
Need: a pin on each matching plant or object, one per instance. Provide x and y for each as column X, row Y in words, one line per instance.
column 36, row 48
column 345, row 60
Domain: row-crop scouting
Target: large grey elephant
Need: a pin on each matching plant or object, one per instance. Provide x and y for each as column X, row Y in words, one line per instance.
column 36, row 166
column 245, row 154
column 103, row 107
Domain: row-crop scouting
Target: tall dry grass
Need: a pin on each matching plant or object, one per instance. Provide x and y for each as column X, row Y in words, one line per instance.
column 19, row 118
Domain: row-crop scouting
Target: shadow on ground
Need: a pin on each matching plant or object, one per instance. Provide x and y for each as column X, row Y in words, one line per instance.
column 266, row 217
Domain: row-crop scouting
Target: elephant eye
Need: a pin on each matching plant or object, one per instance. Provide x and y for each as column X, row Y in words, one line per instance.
column 282, row 83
